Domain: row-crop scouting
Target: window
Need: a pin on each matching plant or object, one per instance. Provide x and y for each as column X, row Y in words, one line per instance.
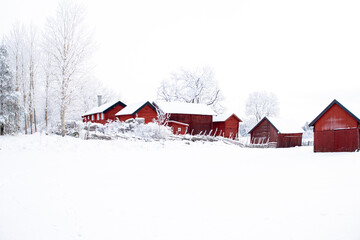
column 179, row 129
column 97, row 117
column 102, row 116
column 92, row 117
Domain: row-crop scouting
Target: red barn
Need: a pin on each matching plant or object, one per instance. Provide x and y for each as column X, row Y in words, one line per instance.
column 277, row 132
column 103, row 112
column 199, row 117
column 138, row 110
column 336, row 129
column 226, row 125
column 178, row 127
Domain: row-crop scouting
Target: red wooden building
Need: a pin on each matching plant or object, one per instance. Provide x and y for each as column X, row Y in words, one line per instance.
column 199, row 117
column 226, row 125
column 276, row 132
column 138, row 110
column 336, row 129
column 178, row 127
column 103, row 113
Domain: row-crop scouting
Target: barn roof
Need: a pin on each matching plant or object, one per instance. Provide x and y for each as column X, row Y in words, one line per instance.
column 328, row 107
column 104, row 107
column 185, row 108
column 281, row 125
column 224, row 117
column 134, row 108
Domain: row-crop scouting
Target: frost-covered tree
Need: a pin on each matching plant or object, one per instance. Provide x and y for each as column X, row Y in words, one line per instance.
column 9, row 99
column 262, row 104
column 16, row 48
column 192, row 86
column 32, row 60
column 68, row 45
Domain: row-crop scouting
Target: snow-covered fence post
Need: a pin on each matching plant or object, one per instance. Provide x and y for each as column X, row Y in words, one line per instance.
column 215, row 132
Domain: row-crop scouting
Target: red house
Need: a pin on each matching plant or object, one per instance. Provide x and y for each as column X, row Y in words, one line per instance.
column 336, row 129
column 277, row 132
column 103, row 112
column 138, row 110
column 199, row 117
column 226, row 125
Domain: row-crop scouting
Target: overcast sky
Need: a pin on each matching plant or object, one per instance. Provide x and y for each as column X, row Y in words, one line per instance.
column 306, row 52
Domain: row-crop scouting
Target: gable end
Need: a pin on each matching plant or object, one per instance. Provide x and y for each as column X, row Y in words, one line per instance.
column 327, row 109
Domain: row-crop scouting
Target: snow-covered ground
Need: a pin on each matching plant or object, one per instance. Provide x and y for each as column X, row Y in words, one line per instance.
column 68, row 189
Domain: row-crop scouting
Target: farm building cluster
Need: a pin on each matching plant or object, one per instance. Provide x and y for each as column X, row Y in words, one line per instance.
column 183, row 118
column 336, row 129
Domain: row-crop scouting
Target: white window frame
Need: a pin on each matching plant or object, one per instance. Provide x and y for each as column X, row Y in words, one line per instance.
column 92, row 117
column 102, row 116
column 97, row 117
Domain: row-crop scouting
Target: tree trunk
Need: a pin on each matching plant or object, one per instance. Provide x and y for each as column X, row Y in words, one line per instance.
column 62, row 122
column 35, row 120
column 46, row 114
column 31, row 120
column 47, row 85
column 24, row 96
column 25, row 123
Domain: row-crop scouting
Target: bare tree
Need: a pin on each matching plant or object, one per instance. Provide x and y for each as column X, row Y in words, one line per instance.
column 68, row 45
column 33, row 55
column 192, row 86
column 261, row 104
column 46, row 67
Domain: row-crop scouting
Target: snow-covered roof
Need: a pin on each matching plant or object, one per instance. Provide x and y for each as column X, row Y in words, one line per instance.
column 185, row 108
column 282, row 125
column 223, row 117
column 286, row 125
column 103, row 108
column 133, row 108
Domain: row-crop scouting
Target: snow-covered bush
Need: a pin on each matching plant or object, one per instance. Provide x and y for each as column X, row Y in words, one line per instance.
column 72, row 128
column 131, row 129
column 152, row 131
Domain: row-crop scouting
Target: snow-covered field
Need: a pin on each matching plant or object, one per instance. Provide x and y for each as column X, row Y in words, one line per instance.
column 68, row 189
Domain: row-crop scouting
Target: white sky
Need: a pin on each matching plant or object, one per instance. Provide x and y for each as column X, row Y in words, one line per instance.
column 306, row 52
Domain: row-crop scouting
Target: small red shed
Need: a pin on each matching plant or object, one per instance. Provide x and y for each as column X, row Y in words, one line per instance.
column 277, row 132
column 199, row 117
column 103, row 113
column 226, row 125
column 178, row 127
column 336, row 129
column 138, row 110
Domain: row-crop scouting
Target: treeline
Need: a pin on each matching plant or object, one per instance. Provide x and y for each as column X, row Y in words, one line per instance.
column 45, row 75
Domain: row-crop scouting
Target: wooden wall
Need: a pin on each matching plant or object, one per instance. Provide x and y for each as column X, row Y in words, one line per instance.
column 264, row 132
column 229, row 128
column 146, row 112
column 289, row 140
column 197, row 123
column 336, row 131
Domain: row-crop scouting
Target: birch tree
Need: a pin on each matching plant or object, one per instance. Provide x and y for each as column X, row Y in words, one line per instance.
column 68, row 45
column 33, row 58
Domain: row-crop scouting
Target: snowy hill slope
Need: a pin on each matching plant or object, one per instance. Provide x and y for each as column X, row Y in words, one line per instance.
column 67, row 188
